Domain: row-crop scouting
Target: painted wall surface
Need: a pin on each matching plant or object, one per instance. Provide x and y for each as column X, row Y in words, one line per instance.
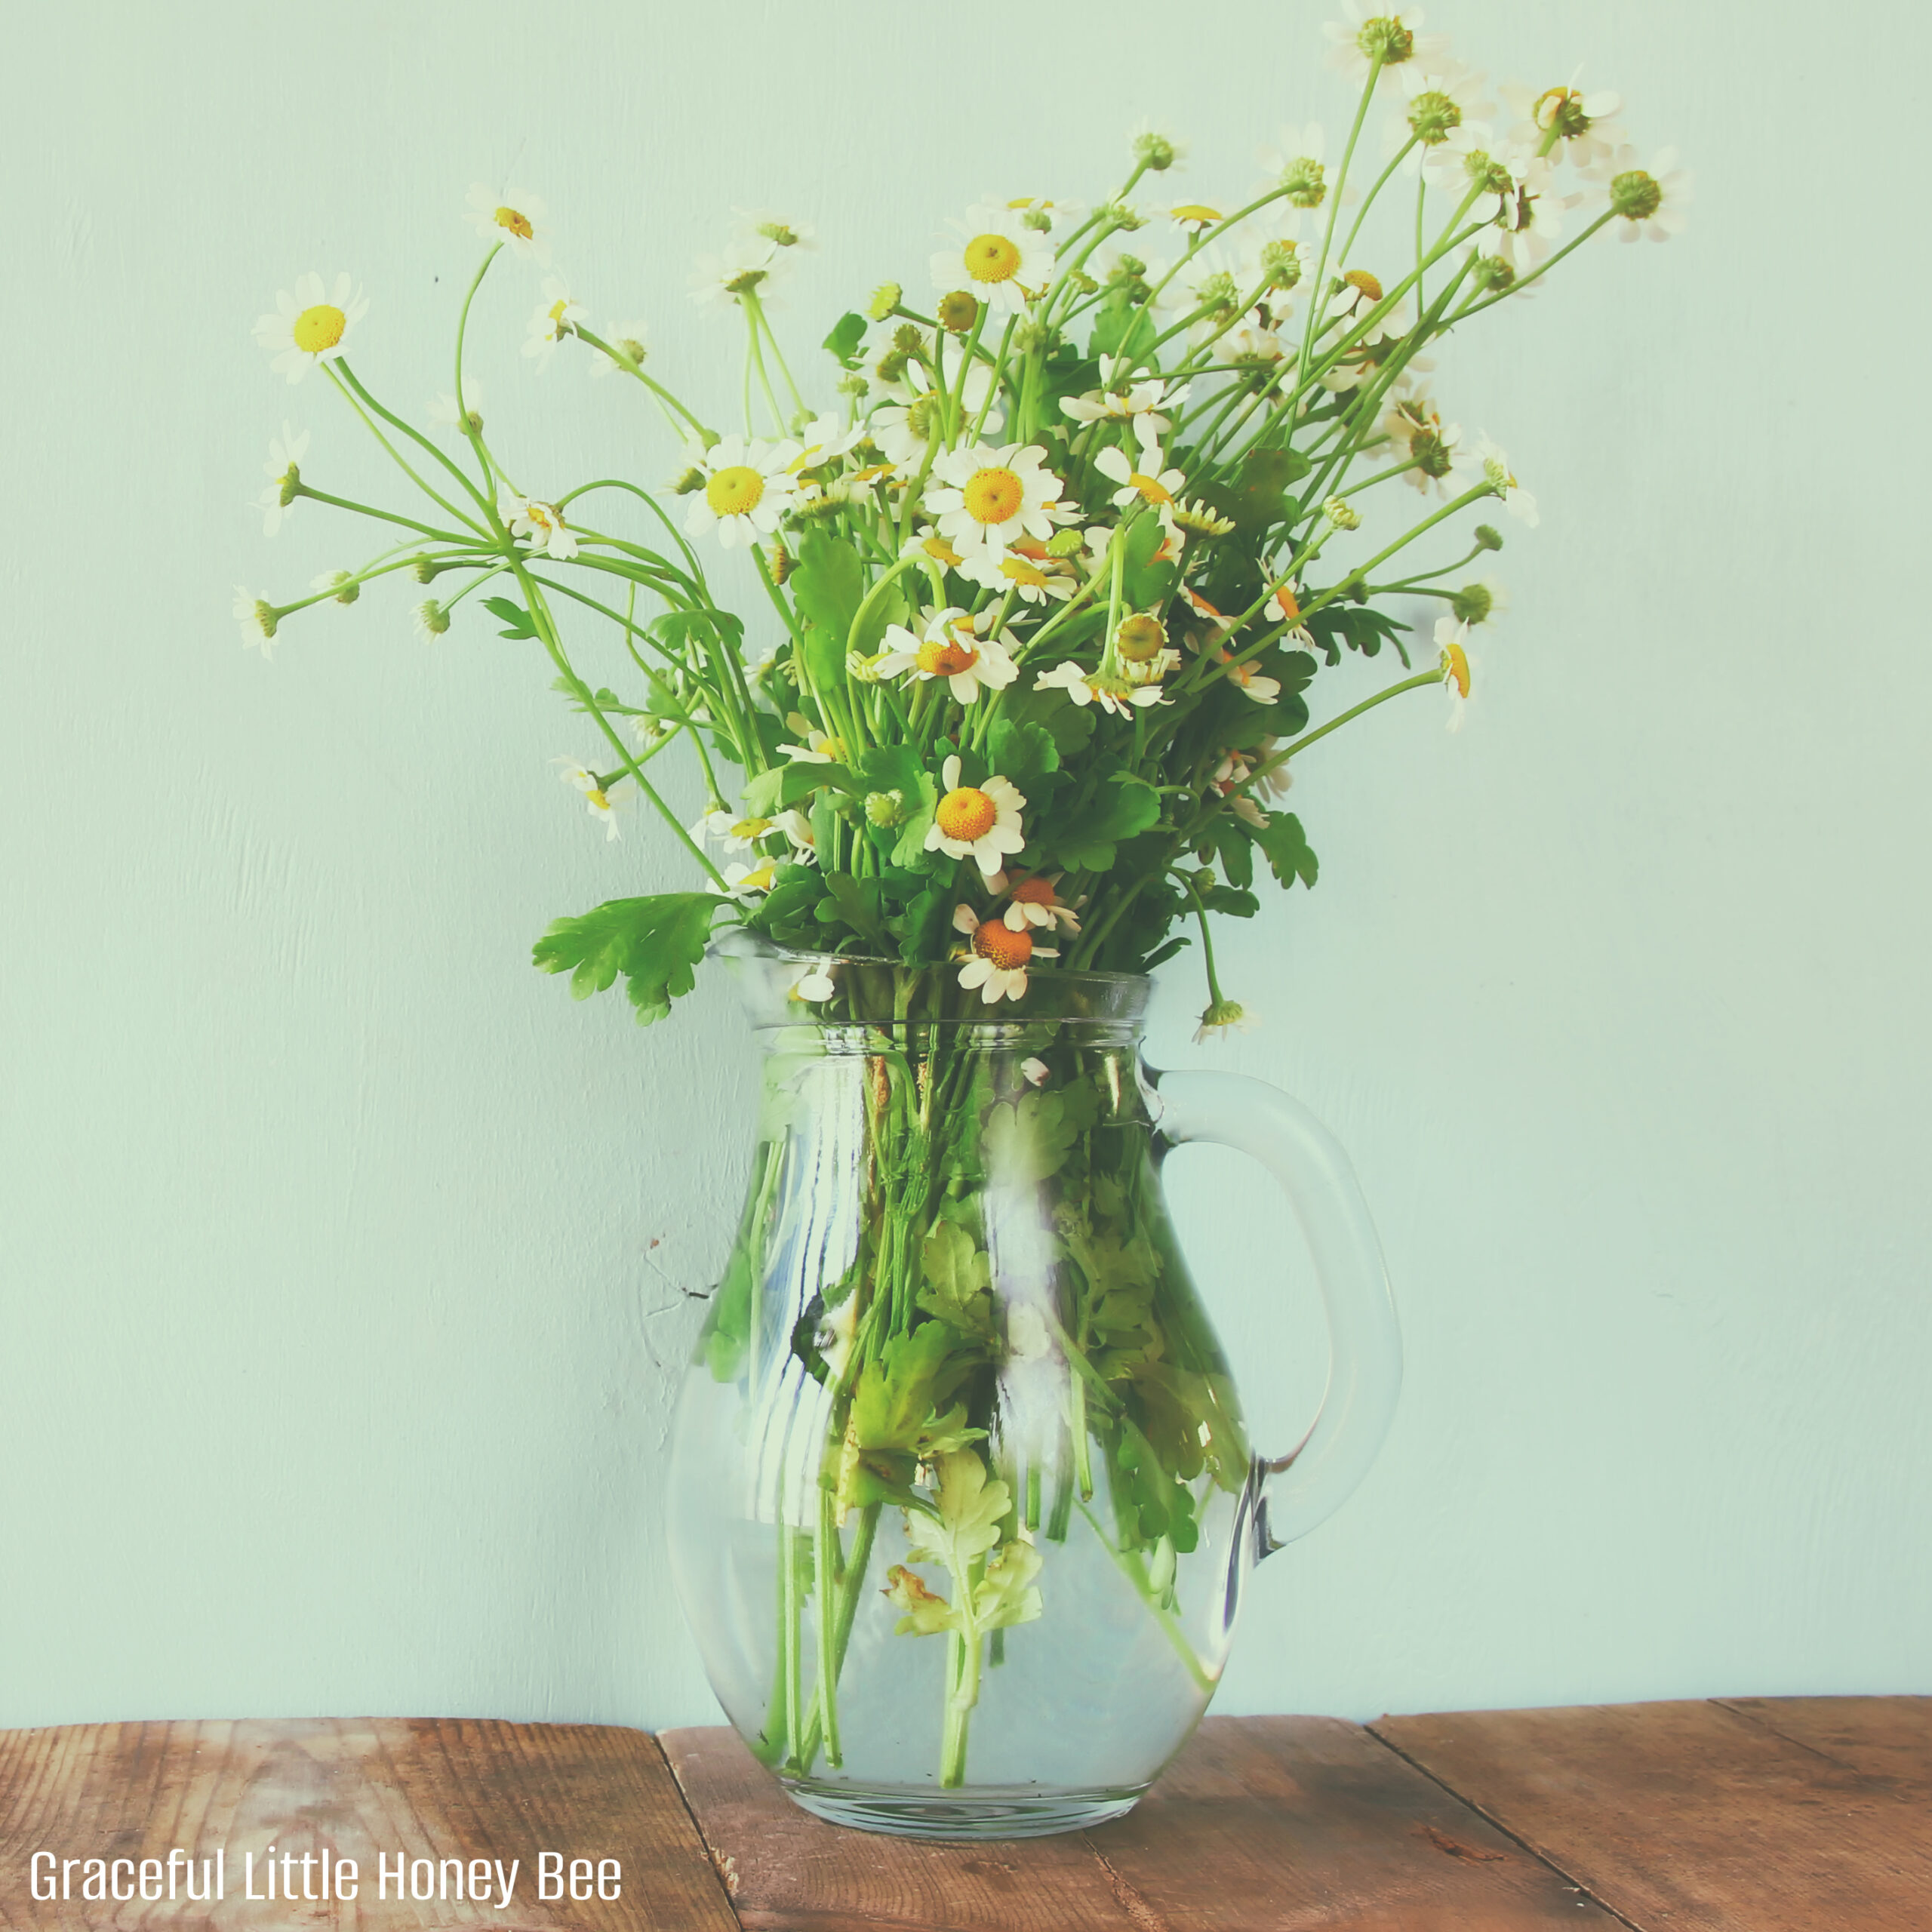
column 346, row 1265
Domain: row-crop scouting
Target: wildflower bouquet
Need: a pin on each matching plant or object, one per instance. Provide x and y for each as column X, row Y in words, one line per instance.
column 1023, row 657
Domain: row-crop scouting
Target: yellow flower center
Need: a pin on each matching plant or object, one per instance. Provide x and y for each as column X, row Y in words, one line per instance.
column 1034, row 892
column 319, row 328
column 997, row 941
column 1285, row 601
column 1017, row 570
column 736, row 491
column 967, row 815
column 944, row 660
column 938, row 548
column 557, row 309
column 750, row 828
column 1141, row 637
column 518, row 225
column 1150, row 488
column 992, row 258
column 1361, row 280
column 1195, row 211
column 1456, row 669
column 600, row 802
column 994, row 496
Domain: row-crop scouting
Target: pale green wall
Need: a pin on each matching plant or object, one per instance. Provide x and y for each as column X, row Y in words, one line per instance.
column 340, row 1254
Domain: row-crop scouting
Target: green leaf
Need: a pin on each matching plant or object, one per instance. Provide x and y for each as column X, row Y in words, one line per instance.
column 781, row 786
column 847, row 333
column 655, row 943
column 920, row 929
column 513, row 615
column 1085, row 841
column 1285, row 846
column 957, row 1284
column 1122, row 326
column 857, row 900
column 1024, row 752
column 1257, row 498
column 828, row 585
column 1028, row 1139
column 967, row 1522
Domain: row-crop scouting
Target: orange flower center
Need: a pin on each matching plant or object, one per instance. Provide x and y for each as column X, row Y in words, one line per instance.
column 966, row 814
column 945, row 661
column 1361, row 280
column 994, row 496
column 1456, row 669
column 1151, row 489
column 1285, row 602
column 319, row 328
column 997, row 941
column 1034, row 892
column 518, row 225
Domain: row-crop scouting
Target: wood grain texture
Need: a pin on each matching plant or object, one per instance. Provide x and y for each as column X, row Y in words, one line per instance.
column 1695, row 1815
column 433, row 1788
column 1261, row 1823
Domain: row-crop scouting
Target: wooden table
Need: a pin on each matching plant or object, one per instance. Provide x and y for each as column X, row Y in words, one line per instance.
column 1758, row 1814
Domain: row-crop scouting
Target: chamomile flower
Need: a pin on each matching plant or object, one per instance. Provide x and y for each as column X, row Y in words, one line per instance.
column 747, row 488
column 600, row 800
column 1136, row 486
column 518, row 220
column 1480, row 602
column 797, row 830
column 257, row 616
column 1532, row 218
column 1469, row 157
column 1415, row 428
column 1222, row 1016
column 818, row 748
column 311, row 326
column 1486, row 464
column 630, row 339
column 987, row 497
column 540, row 525
column 1582, row 121
column 1436, row 101
column 553, row 319
column 747, row 884
column 1119, row 696
column 277, row 502
column 1047, row 218
column 742, row 269
column 976, row 822
column 1025, row 569
column 949, row 646
column 999, row 958
column 1143, row 406
column 1365, row 38
column 1651, row 201
column 999, row 261
column 902, row 428
column 736, row 832
column 1036, row 902
column 822, row 440
column 1355, row 297
column 1452, row 642
column 430, row 620
column 444, row 413
column 777, row 234
column 813, row 985
column 1294, row 163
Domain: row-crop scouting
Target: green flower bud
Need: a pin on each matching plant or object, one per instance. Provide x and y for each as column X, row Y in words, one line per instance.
column 906, row 338
column 1488, row 537
column 885, row 298
column 1341, row 514
column 1472, row 603
column 1065, row 543
column 1154, row 152
column 885, row 809
column 423, row 570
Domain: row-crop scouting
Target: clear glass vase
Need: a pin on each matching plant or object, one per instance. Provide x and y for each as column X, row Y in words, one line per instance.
column 962, row 1502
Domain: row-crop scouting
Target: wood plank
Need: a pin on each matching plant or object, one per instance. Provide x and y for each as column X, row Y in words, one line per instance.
column 1690, row 1815
column 1282, row 1823
column 788, row 1871
column 1261, row 1823
column 429, row 1788
column 1889, row 1740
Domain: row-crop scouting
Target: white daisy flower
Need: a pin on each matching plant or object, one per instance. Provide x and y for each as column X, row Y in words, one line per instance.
column 1250, row 345
column 1047, row 218
column 813, row 985
column 949, row 646
column 999, row 957
column 277, row 502
column 311, row 326
column 1452, row 642
column 255, row 616
column 1416, row 432
column 987, row 497
column 1024, row 570
column 1486, row 464
column 818, row 748
column 748, row 487
column 797, row 828
column 734, row 831
column 341, row 583
column 430, row 620
column 999, row 260
column 756, row 228
column 444, row 413
column 1651, row 201
column 902, row 428
column 1436, row 100
column 554, row 317
column 1480, row 602
column 1036, row 902
column 1136, row 486
column 1471, row 156
column 824, row 439
column 1365, row 35
column 1222, row 1016
column 630, row 338
column 1156, row 147
column 747, row 883
column 1532, row 219
column 1142, row 405
column 1116, row 695
column 519, row 221
column 598, row 800
column 976, row 822
column 741, row 269
column 1586, row 133
column 1294, row 163
column 540, row 525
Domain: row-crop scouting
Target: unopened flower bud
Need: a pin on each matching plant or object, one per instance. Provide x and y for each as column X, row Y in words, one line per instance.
column 423, row 570
column 1488, row 537
column 892, row 366
column 907, row 338
column 958, row 311
column 1119, row 215
column 854, row 385
column 1154, row 152
column 1066, row 543
column 1342, row 514
column 782, row 563
column 885, row 299
column 1473, row 603
column 885, row 809
column 1204, row 880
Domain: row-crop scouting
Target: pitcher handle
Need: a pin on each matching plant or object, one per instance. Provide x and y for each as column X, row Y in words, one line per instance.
column 1302, row 1488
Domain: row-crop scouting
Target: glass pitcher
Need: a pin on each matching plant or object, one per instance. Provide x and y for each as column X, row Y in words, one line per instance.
column 962, row 1503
